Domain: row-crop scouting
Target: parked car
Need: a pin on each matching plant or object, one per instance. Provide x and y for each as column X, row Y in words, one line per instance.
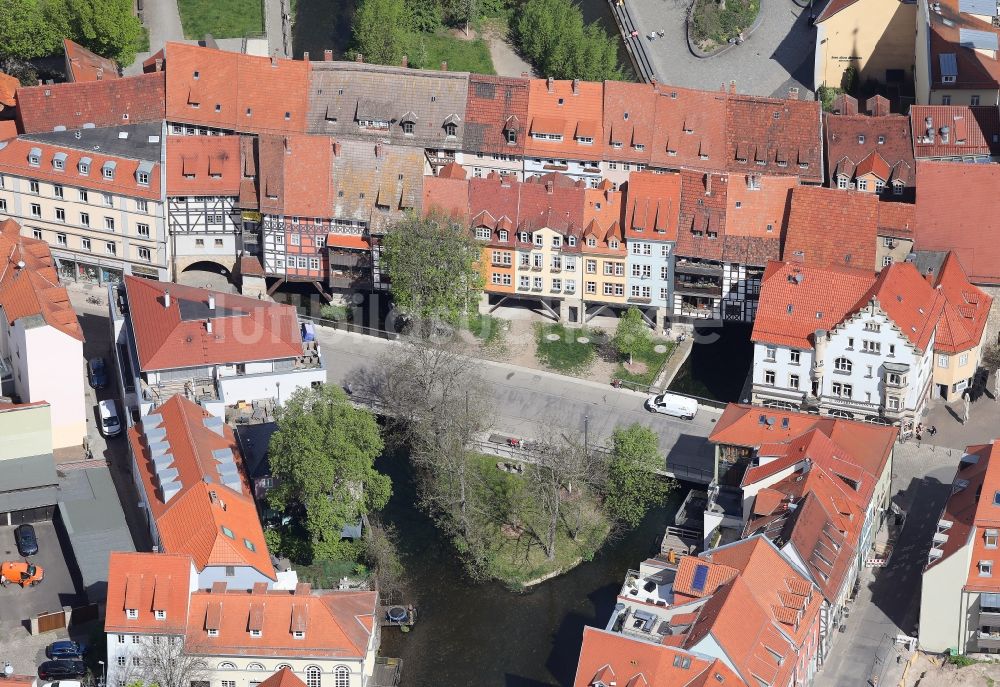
column 98, row 373
column 62, row 668
column 111, row 424
column 672, row 404
column 64, row 648
column 20, row 572
column 24, row 537
column 63, row 683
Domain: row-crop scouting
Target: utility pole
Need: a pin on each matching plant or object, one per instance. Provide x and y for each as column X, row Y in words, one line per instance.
column 586, row 433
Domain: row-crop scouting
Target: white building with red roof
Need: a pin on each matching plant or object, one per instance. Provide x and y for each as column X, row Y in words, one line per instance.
column 241, row 636
column 41, row 342
column 845, row 342
column 195, row 495
column 217, row 349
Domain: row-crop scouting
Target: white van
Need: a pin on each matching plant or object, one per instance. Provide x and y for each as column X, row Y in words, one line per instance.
column 672, row 404
column 111, row 424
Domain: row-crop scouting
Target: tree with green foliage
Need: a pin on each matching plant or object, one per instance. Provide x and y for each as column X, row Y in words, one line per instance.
column 552, row 35
column 632, row 486
column 382, row 31
column 27, row 30
column 631, row 334
column 427, row 15
column 991, row 361
column 431, row 264
column 323, row 461
column 107, row 27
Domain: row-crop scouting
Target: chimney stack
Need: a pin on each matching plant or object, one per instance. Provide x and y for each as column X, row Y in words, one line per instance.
column 274, row 60
column 328, row 56
column 305, row 56
column 208, row 325
column 303, row 589
column 211, row 302
column 359, row 58
column 732, row 87
column 336, row 148
column 525, row 75
column 576, row 87
column 877, row 106
column 100, row 73
column 406, row 61
column 219, row 587
column 166, row 298
column 793, row 93
column 549, row 82
column 444, row 65
column 159, row 64
column 845, row 104
column 708, row 184
column 259, row 588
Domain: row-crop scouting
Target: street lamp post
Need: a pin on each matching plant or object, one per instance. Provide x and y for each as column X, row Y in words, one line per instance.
column 278, row 386
column 104, row 677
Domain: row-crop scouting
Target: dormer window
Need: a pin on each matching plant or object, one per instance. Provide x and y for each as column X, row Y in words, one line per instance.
column 108, row 170
column 990, row 537
column 571, row 240
column 511, row 135
column 613, row 243
column 196, row 75
column 408, row 128
column 523, row 237
column 450, row 130
column 256, row 634
column 35, row 157
column 503, row 235
column 640, row 147
column 591, row 241
column 132, row 613
column 212, row 632
column 897, row 188
column 160, row 614
column 83, row 166
column 483, row 233
column 59, row 161
column 585, row 140
column 616, row 144
column 299, row 634
column 142, row 173
column 986, row 568
column 861, row 139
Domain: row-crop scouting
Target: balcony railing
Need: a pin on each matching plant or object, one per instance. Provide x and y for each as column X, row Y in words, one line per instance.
column 698, row 288
column 698, row 268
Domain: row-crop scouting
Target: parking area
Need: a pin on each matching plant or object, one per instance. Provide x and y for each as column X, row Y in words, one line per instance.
column 55, row 591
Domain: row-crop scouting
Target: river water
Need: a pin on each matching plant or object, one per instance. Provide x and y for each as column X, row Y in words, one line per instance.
column 484, row 635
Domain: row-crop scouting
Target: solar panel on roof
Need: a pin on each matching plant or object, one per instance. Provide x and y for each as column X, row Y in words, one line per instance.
column 949, row 65
column 981, row 40
column 987, row 8
column 700, row 577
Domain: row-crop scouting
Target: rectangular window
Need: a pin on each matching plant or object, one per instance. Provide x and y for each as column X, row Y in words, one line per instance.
column 591, row 287
column 539, row 239
column 536, row 283
column 121, row 660
column 83, row 196
column 60, row 215
column 142, row 230
column 769, row 377
column 61, row 239
column 58, row 190
column 110, row 248
column 314, row 263
column 109, row 200
column 986, row 568
column 869, row 346
column 570, row 286
column 609, row 289
column 524, row 282
column 793, row 381
column 144, row 254
column 3, row 205
column 33, row 186
column 619, row 269
column 963, row 359
column 296, row 240
column 36, row 234
column 121, row 639
column 142, row 206
column 109, row 223
column 990, row 538
column 85, row 244
column 794, row 356
column 557, row 284
column 664, row 273
column 770, row 354
column 36, row 210
column 942, row 361
column 619, row 289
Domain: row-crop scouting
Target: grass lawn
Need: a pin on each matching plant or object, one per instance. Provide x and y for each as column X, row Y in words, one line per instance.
column 653, row 360
column 327, row 574
column 221, row 18
column 461, row 56
column 144, row 40
column 487, row 328
column 565, row 353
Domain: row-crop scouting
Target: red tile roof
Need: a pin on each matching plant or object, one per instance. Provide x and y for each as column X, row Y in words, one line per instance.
column 14, row 160
column 8, row 129
column 773, row 136
column 832, row 228
column 213, row 523
column 34, row 289
column 496, row 105
column 690, row 129
column 976, row 68
column 756, row 217
column 571, row 114
column 243, row 329
column 234, row 91
column 896, row 219
column 336, row 624
column 615, row 659
column 448, row 192
column 834, row 7
column 129, row 100
column 87, row 66
column 8, row 87
column 702, row 228
column 973, row 131
column 716, row 576
column 797, row 300
column 962, row 507
column 862, row 144
column 283, row 189
column 203, row 166
column 630, row 120
column 955, row 211
column 653, row 203
column 554, row 201
column 283, row 678
column 966, row 309
column 149, row 582
column 912, row 304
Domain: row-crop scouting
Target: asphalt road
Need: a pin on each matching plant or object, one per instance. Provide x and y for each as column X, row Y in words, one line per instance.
column 534, row 405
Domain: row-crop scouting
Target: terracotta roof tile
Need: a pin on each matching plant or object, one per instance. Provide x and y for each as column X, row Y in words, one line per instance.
column 966, row 309
column 875, row 144
column 690, row 130
column 87, row 66
column 495, row 106
column 283, row 189
column 133, row 580
column 229, row 90
column 14, row 159
column 244, row 329
column 377, row 183
column 896, row 219
column 780, row 137
column 702, row 228
column 834, row 7
column 912, row 304
column 629, row 120
column 35, row 289
column 976, row 68
column 448, row 192
column 8, row 88
column 203, row 165
column 797, row 300
column 716, row 575
column 653, row 203
column 129, row 100
column 955, row 211
column 283, row 678
column 210, row 519
column 569, row 113
column 832, row 228
column 973, row 131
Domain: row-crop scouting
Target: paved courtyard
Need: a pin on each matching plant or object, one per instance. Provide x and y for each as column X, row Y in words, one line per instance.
column 777, row 56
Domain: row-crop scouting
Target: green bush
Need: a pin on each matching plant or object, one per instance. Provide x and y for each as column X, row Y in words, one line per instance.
column 718, row 23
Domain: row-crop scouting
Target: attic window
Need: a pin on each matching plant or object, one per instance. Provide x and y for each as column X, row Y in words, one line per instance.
column 249, row 544
column 132, row 613
column 561, row 101
column 288, row 115
column 881, row 140
column 682, row 661
column 299, row 634
column 777, row 115
column 218, row 107
column 626, row 116
column 719, row 677
column 59, row 161
column 861, row 139
column 108, row 170
column 249, row 112
column 986, row 568
column 83, row 166
column 35, row 157
column 996, row 498
column 212, row 632
column 197, row 74
column 228, row 532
